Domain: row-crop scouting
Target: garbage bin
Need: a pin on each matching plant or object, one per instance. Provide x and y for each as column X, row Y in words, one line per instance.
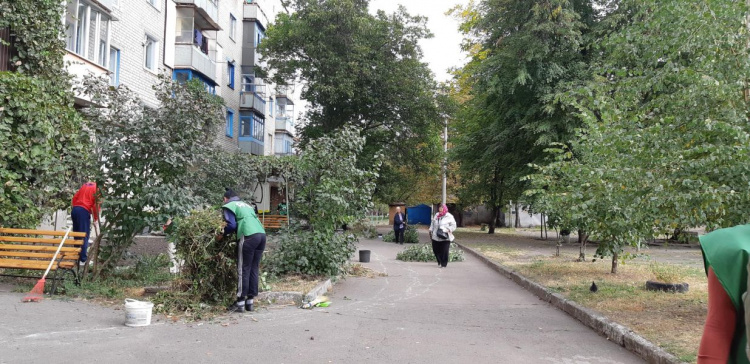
column 364, row 256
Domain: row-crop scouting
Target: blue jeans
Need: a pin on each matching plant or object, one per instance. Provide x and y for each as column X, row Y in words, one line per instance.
column 82, row 224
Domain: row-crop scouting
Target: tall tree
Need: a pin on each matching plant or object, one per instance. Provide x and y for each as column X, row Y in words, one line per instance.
column 522, row 51
column 666, row 142
column 359, row 70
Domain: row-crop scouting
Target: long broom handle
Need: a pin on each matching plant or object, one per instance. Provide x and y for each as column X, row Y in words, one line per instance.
column 58, row 250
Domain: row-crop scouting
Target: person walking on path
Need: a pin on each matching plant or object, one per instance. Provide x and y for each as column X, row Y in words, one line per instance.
column 725, row 256
column 251, row 242
column 399, row 225
column 85, row 204
column 441, row 232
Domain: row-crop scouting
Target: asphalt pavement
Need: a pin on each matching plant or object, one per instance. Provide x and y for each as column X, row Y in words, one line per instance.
column 418, row 313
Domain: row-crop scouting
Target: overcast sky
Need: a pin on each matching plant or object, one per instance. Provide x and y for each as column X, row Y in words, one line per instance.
column 443, row 51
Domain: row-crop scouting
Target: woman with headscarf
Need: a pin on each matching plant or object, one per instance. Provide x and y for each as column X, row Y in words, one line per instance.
column 725, row 255
column 441, row 232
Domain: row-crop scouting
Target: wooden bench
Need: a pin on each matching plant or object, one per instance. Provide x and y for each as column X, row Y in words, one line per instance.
column 273, row 221
column 34, row 249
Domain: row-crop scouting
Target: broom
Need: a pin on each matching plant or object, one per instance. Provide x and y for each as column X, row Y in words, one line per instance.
column 38, row 291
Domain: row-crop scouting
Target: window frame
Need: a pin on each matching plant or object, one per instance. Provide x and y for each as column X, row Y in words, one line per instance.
column 79, row 30
column 114, row 81
column 229, row 127
column 154, row 52
column 230, row 73
column 232, row 27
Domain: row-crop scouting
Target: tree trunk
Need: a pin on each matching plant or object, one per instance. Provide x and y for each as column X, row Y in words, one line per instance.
column 518, row 218
column 582, row 238
column 541, row 227
column 615, row 263
column 495, row 209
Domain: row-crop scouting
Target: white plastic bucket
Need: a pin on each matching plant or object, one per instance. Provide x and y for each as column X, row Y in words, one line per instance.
column 137, row 313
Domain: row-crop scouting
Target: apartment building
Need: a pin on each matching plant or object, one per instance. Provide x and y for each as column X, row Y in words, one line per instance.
column 214, row 41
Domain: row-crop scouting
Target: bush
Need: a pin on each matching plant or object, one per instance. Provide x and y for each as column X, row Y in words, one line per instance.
column 364, row 229
column 411, row 236
column 311, row 252
column 209, row 265
column 423, row 253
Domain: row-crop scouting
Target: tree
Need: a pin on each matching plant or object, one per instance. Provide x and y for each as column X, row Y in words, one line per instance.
column 42, row 142
column 143, row 155
column 521, row 53
column 666, row 139
column 333, row 192
column 359, row 70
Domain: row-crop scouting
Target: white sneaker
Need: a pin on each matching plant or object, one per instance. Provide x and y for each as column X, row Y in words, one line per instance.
column 80, row 263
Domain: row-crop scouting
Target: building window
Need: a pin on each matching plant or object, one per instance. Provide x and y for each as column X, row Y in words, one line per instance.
column 230, row 74
column 252, row 127
column 232, row 26
column 182, row 76
column 230, row 123
column 87, row 32
column 114, row 67
column 152, row 51
column 154, row 3
column 258, row 128
column 270, row 109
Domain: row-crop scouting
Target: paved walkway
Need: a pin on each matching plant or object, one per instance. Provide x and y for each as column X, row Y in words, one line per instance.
column 419, row 313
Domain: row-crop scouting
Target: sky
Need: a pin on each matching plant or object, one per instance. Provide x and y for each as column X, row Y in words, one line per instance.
column 443, row 51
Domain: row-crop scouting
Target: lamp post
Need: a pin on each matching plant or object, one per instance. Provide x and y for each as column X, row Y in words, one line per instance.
column 445, row 159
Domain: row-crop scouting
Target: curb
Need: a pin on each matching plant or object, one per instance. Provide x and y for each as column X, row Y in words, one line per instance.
column 613, row 331
column 319, row 290
column 281, row 297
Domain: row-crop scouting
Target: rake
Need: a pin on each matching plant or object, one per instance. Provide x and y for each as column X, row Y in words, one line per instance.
column 37, row 292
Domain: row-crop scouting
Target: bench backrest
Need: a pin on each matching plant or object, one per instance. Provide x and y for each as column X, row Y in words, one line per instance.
column 39, row 245
column 273, row 221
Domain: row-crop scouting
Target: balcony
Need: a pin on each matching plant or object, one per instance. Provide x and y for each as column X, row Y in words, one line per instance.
column 189, row 56
column 285, row 124
column 251, row 147
column 208, row 11
column 252, row 100
column 253, row 12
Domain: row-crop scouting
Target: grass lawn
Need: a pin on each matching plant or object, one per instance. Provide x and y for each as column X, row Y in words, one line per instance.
column 671, row 320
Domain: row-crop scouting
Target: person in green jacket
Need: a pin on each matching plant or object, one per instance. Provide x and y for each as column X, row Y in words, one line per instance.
column 251, row 242
column 725, row 256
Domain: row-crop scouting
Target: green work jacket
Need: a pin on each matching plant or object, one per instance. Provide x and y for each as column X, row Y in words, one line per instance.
column 727, row 251
column 247, row 221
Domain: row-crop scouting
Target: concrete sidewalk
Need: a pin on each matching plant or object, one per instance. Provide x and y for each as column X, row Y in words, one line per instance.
column 419, row 313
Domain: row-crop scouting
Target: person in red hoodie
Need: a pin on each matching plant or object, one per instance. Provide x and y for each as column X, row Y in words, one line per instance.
column 85, row 204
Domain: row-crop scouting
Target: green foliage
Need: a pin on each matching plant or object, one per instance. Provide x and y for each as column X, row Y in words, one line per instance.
column 218, row 169
column 143, row 155
column 522, row 52
column 148, row 271
column 334, row 192
column 424, row 253
column 42, row 143
column 411, row 236
column 39, row 42
column 666, row 140
column 364, row 71
column 209, row 265
column 311, row 252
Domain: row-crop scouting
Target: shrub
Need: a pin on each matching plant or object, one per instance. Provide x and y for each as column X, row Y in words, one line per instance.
column 311, row 252
column 411, row 236
column 208, row 264
column 423, row 253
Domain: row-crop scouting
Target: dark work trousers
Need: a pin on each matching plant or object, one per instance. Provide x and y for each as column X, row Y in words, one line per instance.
column 249, row 252
column 399, row 235
column 441, row 250
column 82, row 224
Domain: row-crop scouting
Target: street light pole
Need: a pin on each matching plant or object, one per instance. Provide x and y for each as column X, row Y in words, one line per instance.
column 445, row 159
